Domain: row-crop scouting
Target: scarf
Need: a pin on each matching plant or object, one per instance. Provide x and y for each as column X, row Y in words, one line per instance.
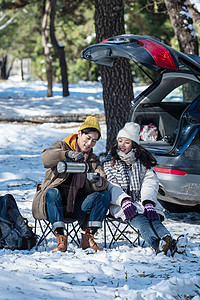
column 78, row 180
column 133, row 173
column 128, row 158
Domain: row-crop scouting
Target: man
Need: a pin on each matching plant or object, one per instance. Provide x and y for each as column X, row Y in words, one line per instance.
column 73, row 195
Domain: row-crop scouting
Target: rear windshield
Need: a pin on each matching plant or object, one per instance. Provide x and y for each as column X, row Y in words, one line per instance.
column 186, row 93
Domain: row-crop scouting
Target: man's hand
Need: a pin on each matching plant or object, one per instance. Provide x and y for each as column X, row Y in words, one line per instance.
column 94, row 177
column 75, row 156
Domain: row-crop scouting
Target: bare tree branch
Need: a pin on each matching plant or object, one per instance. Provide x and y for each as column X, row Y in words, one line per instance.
column 8, row 22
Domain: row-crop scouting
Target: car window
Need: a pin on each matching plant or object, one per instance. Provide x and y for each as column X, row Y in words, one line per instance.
column 186, row 92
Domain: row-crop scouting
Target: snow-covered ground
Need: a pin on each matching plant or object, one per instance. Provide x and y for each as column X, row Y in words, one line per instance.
column 119, row 273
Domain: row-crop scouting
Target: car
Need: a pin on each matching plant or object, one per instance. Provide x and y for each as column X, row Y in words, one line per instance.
column 171, row 104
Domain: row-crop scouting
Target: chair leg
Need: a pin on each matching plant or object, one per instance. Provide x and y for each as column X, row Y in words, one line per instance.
column 45, row 232
column 72, row 231
column 121, row 232
column 104, row 226
column 75, row 229
column 113, row 235
column 35, row 229
column 138, row 234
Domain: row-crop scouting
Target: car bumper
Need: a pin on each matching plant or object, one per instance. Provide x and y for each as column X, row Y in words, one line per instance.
column 178, row 189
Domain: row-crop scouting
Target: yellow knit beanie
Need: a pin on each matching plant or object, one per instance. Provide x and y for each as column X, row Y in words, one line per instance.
column 91, row 122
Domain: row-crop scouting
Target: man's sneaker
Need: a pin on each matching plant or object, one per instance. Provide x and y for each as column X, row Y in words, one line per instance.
column 164, row 244
column 180, row 245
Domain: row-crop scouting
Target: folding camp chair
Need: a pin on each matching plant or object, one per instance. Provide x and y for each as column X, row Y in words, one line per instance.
column 119, row 230
column 72, row 227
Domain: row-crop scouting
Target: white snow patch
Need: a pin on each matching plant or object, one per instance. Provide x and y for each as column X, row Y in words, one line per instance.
column 118, row 273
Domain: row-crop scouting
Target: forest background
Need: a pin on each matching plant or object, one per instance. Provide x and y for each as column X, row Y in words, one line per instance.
column 51, row 34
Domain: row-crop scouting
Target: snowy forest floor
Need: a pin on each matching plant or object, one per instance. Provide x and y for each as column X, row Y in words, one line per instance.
column 119, row 273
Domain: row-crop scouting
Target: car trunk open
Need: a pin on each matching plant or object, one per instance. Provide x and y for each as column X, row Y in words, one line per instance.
column 174, row 69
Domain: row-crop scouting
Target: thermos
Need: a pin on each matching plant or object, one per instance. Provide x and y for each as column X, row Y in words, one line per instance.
column 72, row 167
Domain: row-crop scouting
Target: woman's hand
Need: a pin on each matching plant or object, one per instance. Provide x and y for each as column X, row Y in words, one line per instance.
column 129, row 209
column 150, row 212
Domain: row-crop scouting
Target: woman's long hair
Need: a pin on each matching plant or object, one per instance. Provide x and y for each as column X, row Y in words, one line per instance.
column 146, row 158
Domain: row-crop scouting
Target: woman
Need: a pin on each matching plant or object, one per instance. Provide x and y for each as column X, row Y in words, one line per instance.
column 130, row 167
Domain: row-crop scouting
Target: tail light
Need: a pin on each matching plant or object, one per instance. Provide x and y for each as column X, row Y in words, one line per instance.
column 169, row 171
column 160, row 54
column 104, row 41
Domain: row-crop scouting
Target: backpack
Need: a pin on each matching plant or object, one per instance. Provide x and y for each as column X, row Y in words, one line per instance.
column 14, row 230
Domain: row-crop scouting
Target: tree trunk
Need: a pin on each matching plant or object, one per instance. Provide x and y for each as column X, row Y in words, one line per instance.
column 45, row 43
column 193, row 8
column 59, row 50
column 10, row 68
column 183, row 26
column 22, row 69
column 116, row 81
column 3, row 68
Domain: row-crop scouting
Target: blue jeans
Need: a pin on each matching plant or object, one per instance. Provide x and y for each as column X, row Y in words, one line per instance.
column 151, row 231
column 95, row 206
